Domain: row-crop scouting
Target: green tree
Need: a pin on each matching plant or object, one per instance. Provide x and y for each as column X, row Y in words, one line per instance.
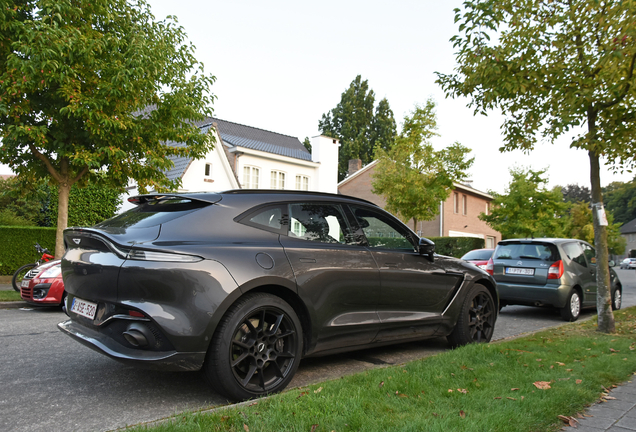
column 527, row 208
column 553, row 67
column 573, row 193
column 620, row 198
column 581, row 226
column 22, row 204
column 307, row 143
column 411, row 175
column 90, row 86
column 354, row 123
column 88, row 205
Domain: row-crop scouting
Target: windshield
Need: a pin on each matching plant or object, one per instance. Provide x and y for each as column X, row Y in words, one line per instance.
column 478, row 255
column 515, row 251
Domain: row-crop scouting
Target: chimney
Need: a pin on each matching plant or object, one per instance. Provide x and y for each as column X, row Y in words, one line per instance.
column 354, row 166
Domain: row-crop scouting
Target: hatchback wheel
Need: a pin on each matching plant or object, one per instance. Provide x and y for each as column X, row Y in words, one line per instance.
column 572, row 308
column 476, row 321
column 617, row 299
column 256, row 349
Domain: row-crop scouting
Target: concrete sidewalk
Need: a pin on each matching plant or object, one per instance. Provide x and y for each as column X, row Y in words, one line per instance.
column 616, row 414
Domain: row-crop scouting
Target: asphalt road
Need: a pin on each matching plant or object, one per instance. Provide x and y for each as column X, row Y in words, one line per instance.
column 52, row 383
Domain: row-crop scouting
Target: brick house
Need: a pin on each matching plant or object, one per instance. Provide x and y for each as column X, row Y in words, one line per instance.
column 458, row 216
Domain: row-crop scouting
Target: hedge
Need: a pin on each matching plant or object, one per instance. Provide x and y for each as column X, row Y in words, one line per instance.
column 17, row 246
column 456, row 246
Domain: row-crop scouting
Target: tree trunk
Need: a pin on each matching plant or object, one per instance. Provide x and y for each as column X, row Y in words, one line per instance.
column 603, row 288
column 64, row 189
column 415, row 225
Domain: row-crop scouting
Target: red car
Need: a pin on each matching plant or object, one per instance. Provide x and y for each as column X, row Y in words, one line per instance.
column 43, row 285
column 479, row 257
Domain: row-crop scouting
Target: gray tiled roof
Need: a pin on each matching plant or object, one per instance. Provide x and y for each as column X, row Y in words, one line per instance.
column 234, row 134
column 629, row 227
column 258, row 139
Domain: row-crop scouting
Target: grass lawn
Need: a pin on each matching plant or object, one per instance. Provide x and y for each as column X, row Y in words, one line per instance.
column 6, row 295
column 518, row 385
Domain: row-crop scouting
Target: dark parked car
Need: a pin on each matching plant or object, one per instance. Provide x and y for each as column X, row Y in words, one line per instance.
column 245, row 283
column 549, row 272
column 479, row 257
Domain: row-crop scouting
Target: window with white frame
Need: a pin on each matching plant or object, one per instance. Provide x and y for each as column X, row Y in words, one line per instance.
column 302, row 182
column 250, row 177
column 277, row 180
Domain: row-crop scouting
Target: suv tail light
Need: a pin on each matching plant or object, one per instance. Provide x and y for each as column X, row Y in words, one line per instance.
column 556, row 270
column 490, row 267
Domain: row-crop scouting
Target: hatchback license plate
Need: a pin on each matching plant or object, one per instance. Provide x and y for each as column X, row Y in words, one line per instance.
column 520, row 271
column 25, row 283
column 84, row 308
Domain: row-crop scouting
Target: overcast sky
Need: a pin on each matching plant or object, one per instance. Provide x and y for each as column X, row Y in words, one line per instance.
column 281, row 64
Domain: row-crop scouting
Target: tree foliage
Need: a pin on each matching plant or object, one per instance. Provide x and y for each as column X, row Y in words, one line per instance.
column 528, row 209
column 573, row 193
column 620, row 198
column 358, row 128
column 97, row 85
column 412, row 176
column 555, row 67
column 581, row 226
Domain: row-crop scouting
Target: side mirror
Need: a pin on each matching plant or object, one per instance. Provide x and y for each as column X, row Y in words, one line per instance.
column 612, row 263
column 426, row 247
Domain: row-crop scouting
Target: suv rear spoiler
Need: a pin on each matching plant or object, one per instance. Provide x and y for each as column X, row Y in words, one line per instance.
column 209, row 197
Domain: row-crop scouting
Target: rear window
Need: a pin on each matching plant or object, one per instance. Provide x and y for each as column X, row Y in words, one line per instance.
column 153, row 213
column 516, row 251
column 478, row 255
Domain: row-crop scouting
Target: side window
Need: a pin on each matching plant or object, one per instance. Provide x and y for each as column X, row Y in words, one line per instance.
column 272, row 218
column 382, row 231
column 575, row 253
column 324, row 223
column 590, row 254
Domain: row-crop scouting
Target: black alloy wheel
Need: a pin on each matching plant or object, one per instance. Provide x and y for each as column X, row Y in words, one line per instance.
column 256, row 349
column 476, row 322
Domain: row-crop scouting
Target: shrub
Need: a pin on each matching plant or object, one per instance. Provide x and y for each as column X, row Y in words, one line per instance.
column 16, row 246
column 456, row 246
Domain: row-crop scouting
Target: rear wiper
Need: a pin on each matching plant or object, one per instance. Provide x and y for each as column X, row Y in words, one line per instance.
column 529, row 257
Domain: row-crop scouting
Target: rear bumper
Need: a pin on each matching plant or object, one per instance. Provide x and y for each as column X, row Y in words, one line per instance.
column 162, row 360
column 540, row 295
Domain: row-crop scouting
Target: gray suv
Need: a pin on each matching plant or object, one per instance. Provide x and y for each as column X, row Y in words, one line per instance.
column 549, row 272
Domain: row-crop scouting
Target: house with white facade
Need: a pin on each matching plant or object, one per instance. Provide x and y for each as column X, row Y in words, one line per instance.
column 245, row 157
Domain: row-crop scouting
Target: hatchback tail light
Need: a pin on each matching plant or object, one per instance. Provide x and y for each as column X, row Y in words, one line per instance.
column 556, row 270
column 490, row 267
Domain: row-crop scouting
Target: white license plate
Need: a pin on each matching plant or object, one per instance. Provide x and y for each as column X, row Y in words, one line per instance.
column 25, row 283
column 84, row 308
column 520, row 271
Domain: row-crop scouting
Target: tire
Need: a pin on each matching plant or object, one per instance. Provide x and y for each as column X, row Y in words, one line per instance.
column 19, row 275
column 572, row 308
column 617, row 299
column 477, row 317
column 256, row 348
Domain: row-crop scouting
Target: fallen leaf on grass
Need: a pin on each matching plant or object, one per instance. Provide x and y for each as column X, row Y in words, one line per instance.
column 511, row 398
column 560, row 364
column 578, row 381
column 252, row 404
column 246, row 428
column 609, row 397
column 314, row 427
column 381, row 384
column 514, row 389
column 224, row 418
column 450, row 391
column 318, row 390
column 542, row 385
column 462, row 391
column 462, row 414
column 497, row 397
column 302, row 394
column 613, row 350
column 568, row 420
column 539, row 360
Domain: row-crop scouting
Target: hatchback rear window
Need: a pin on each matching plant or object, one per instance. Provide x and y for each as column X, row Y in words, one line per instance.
column 153, row 213
column 516, row 251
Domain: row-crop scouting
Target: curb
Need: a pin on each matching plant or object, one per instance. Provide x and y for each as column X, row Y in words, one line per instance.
column 13, row 305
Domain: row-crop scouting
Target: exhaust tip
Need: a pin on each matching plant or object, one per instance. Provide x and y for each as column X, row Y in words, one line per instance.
column 139, row 336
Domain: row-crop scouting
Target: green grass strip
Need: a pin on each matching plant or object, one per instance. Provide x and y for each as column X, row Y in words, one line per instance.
column 485, row 387
column 6, row 295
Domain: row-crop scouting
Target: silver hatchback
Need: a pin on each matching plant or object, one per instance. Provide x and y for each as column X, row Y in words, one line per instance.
column 549, row 272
